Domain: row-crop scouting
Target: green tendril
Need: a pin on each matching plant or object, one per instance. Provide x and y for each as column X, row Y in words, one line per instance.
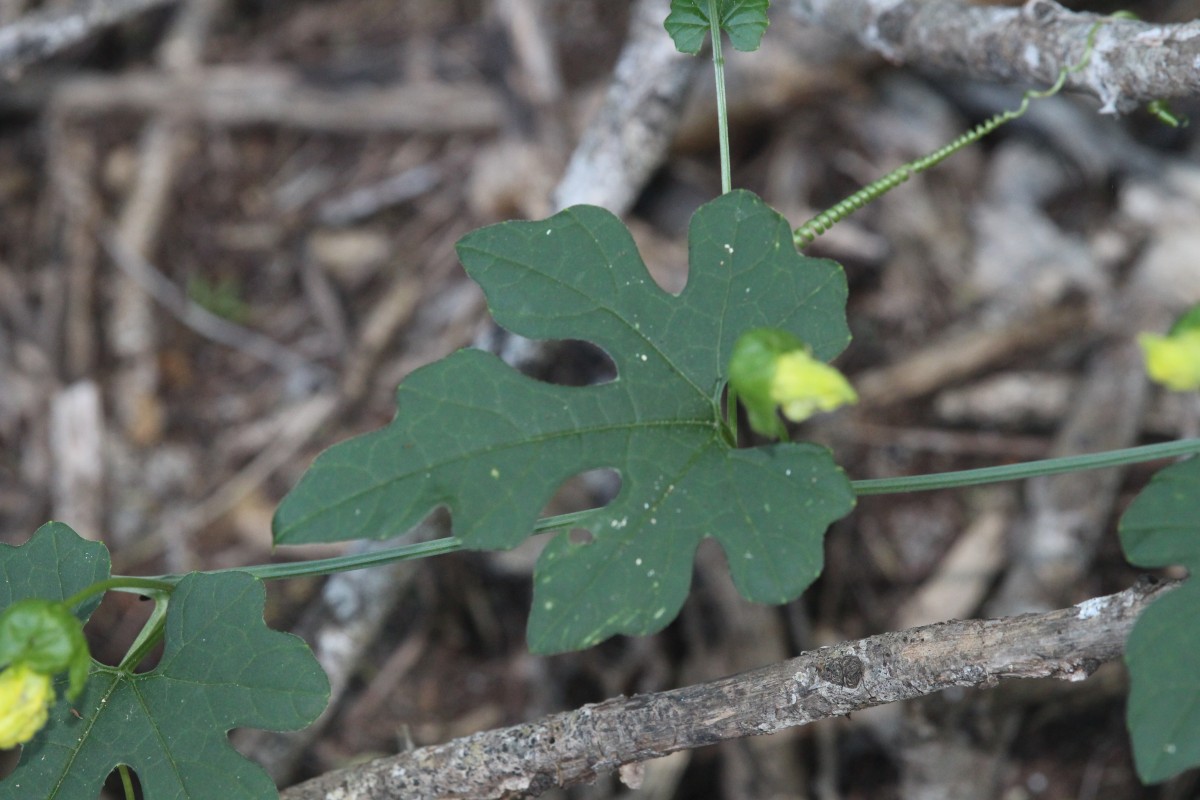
column 1157, row 108
column 822, row 222
column 1164, row 114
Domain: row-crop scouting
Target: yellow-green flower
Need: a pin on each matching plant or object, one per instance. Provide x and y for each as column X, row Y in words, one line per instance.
column 25, row 698
column 802, row 386
column 772, row 369
column 1173, row 360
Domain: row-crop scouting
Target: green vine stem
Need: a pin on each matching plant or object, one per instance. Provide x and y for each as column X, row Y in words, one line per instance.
column 122, row 583
column 911, row 483
column 407, row 552
column 822, row 222
column 126, row 781
column 714, row 22
column 1027, row 469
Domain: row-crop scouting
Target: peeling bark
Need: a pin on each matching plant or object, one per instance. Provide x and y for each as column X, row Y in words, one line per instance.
column 1132, row 63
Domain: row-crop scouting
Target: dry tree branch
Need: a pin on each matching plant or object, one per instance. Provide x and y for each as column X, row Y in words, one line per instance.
column 263, row 95
column 625, row 141
column 577, row 746
column 1132, row 63
column 202, row 321
column 40, row 35
column 629, row 136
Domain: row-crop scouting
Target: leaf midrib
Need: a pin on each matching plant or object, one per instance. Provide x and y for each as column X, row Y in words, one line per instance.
column 102, row 706
column 484, row 451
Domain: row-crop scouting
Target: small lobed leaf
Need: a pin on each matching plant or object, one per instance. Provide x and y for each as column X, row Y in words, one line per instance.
column 744, row 21
column 221, row 668
column 54, row 564
column 1160, row 528
column 688, row 25
column 493, row 446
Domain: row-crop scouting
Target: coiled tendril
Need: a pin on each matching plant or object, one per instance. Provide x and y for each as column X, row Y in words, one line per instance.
column 822, row 222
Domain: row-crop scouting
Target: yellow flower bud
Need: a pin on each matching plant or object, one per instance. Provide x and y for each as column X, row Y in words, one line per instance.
column 770, row 368
column 802, row 386
column 1173, row 360
column 25, row 697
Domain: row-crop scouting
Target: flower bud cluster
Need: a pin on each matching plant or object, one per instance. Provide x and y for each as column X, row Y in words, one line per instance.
column 771, row 369
column 38, row 639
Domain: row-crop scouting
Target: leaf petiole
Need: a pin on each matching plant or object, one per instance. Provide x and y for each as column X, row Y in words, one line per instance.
column 121, row 583
column 406, row 552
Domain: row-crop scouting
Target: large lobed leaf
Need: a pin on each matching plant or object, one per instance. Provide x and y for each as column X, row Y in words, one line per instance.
column 1161, row 528
column 493, row 446
column 221, row 668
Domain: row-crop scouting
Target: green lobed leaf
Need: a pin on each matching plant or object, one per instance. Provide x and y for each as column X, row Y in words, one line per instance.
column 1161, row 528
column 745, row 22
column 54, row 564
column 221, row 668
column 493, row 446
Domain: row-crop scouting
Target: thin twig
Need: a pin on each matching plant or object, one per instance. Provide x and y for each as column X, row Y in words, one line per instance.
column 368, row 200
column 204, row 322
column 237, row 95
column 38, row 36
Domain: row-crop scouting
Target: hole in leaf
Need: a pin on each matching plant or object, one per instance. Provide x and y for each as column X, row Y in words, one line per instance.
column 572, row 362
column 8, row 761
column 581, row 536
column 594, row 488
column 113, row 789
column 115, row 625
column 565, row 362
